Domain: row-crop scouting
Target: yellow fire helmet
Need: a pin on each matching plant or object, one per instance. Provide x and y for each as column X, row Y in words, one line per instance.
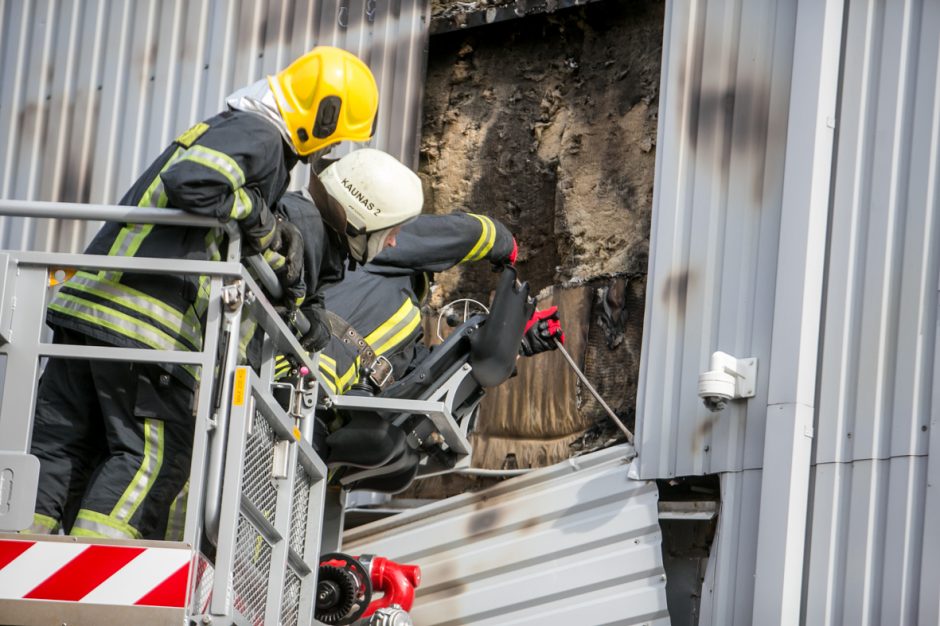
column 326, row 96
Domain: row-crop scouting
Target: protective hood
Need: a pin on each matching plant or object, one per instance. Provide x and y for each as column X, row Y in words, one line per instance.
column 258, row 98
column 364, row 248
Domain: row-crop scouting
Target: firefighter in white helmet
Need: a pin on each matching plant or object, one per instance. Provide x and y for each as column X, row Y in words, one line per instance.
column 372, row 194
column 359, row 203
column 365, row 197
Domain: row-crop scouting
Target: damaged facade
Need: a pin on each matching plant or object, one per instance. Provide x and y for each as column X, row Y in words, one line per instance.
column 782, row 159
column 548, row 123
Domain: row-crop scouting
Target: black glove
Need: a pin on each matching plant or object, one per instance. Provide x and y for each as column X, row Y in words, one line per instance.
column 541, row 331
column 281, row 245
column 259, row 231
column 285, row 256
column 499, row 266
column 318, row 336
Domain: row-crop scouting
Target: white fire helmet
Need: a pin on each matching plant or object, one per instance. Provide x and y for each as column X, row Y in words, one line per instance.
column 377, row 193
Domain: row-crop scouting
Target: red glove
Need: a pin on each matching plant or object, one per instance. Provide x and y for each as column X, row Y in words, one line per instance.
column 541, row 330
column 514, row 253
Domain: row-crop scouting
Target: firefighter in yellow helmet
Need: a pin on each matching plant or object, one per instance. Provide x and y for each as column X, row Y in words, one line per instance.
column 102, row 429
column 325, row 96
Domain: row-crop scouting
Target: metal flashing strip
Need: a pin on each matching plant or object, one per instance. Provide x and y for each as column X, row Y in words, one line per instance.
column 689, row 511
column 578, row 542
column 469, row 14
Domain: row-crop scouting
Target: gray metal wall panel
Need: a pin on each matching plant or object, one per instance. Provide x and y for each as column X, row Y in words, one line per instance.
column 576, row 543
column 866, row 543
column 93, row 90
column 717, row 201
column 871, row 557
column 868, row 558
column 929, row 600
column 728, row 588
column 881, row 317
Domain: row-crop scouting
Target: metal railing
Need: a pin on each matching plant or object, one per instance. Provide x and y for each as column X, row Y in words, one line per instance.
column 256, row 486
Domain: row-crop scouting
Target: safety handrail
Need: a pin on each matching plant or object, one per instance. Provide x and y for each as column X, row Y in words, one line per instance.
column 117, row 213
column 105, row 212
column 148, row 215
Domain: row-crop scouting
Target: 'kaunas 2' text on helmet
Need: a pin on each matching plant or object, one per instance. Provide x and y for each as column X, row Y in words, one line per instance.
column 377, row 193
column 326, row 96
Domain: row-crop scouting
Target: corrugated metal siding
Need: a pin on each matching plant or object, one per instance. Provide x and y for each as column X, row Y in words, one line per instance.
column 871, row 556
column 865, row 554
column 714, row 241
column 868, row 560
column 92, row 90
column 881, row 307
column 728, row 588
column 576, row 543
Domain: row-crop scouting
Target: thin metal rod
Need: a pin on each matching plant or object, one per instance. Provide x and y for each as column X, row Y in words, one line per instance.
column 480, row 471
column 106, row 212
column 109, row 353
column 141, row 265
column 587, row 383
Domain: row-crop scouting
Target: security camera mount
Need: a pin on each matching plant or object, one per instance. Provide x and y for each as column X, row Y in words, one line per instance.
column 728, row 378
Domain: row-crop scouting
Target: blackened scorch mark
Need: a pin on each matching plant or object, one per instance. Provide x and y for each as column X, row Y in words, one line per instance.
column 676, row 290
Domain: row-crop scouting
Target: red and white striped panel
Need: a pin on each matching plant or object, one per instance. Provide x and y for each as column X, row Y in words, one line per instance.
column 89, row 573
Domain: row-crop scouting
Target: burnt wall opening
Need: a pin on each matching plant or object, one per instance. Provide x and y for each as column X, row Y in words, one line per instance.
column 548, row 123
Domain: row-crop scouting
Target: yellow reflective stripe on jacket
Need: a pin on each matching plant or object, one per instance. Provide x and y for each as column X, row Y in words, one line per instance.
column 190, row 136
column 146, row 474
column 351, row 376
column 281, row 366
column 117, row 321
column 337, row 383
column 329, row 378
column 121, row 323
column 275, row 260
column 213, row 253
column 187, row 325
column 214, row 244
column 395, row 329
column 400, row 336
column 131, row 236
column 485, row 242
column 328, row 369
column 227, row 167
column 241, row 205
column 128, row 241
column 93, row 524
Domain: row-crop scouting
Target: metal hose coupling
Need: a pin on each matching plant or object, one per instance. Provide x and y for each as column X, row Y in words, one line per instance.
column 390, row 616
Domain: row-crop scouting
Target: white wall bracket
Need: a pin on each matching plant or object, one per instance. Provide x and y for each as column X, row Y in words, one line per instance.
column 728, row 378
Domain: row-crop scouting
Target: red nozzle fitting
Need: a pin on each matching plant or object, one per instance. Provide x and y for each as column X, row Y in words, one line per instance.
column 397, row 582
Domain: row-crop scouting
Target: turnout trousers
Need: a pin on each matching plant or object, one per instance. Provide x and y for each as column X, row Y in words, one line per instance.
column 114, row 442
